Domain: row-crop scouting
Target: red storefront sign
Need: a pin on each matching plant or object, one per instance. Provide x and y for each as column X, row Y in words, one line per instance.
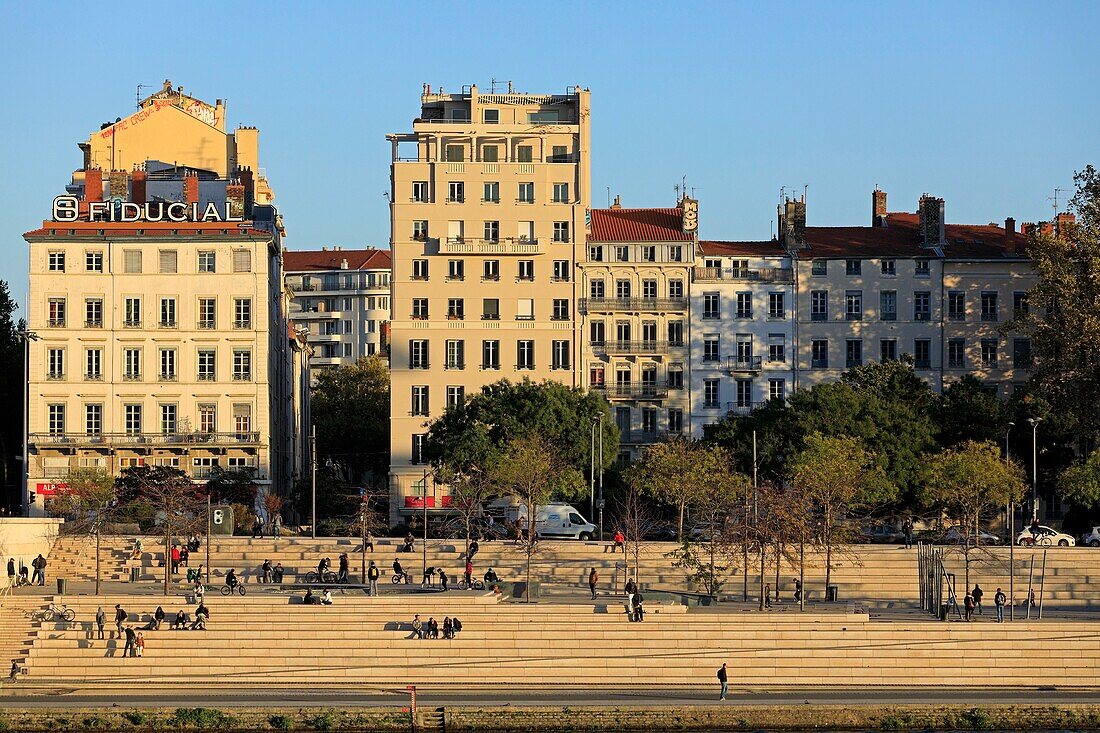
column 417, row 502
column 51, row 488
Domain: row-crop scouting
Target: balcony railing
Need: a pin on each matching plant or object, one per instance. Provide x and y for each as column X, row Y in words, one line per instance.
column 196, row 438
column 631, row 347
column 740, row 409
column 470, row 245
column 732, row 274
column 639, row 391
column 644, row 437
column 743, row 363
column 611, row 305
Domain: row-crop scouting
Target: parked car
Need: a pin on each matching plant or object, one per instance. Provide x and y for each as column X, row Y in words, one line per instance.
column 881, row 534
column 1045, row 537
column 1091, row 538
column 955, row 536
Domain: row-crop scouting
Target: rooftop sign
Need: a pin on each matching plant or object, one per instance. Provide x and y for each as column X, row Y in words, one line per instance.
column 67, row 209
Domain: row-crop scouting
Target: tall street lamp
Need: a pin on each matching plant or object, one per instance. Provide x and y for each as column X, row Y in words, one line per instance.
column 26, row 336
column 1011, row 539
column 1034, row 468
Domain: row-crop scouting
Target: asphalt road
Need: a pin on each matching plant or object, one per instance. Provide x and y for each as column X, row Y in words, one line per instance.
column 41, row 696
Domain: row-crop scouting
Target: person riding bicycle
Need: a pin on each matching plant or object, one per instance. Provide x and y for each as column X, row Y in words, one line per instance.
column 400, row 571
column 322, row 568
column 491, row 576
column 231, row 579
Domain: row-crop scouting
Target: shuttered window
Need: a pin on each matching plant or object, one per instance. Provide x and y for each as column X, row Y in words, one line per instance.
column 168, row 261
column 132, row 260
column 242, row 260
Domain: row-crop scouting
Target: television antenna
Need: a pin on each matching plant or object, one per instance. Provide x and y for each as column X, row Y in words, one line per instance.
column 137, row 99
column 1054, row 199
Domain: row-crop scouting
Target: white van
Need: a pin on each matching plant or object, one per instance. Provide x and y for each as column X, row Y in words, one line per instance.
column 557, row 520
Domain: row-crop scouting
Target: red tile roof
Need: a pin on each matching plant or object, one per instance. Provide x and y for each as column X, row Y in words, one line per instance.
column 901, row 238
column 637, row 225
column 332, row 259
column 767, row 248
column 147, row 229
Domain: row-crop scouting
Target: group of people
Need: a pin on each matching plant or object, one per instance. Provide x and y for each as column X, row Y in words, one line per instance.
column 634, row 600
column 275, row 524
column 134, row 638
column 430, row 629
column 972, row 603
column 271, row 573
column 311, row 599
column 18, row 575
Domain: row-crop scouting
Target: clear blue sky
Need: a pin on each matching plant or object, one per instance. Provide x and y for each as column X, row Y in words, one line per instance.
column 990, row 105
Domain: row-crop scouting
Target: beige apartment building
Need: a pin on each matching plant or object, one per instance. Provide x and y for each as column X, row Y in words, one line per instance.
column 487, row 203
column 162, row 336
column 635, row 326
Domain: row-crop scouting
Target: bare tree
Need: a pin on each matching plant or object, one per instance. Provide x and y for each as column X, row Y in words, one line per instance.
column 639, row 520
column 87, row 507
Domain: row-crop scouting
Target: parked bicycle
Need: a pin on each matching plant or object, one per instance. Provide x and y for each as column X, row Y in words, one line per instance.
column 56, row 613
column 227, row 590
column 402, row 578
column 475, row 585
column 328, row 577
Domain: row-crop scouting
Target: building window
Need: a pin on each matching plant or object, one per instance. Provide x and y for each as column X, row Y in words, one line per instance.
column 524, row 154
column 455, row 357
column 649, row 420
column 526, row 270
column 889, row 268
column 777, row 309
column 596, row 289
column 675, row 421
column 490, row 309
column 55, row 363
column 888, row 349
column 132, row 313
column 55, row 262
column 207, row 261
column 853, row 353
column 56, row 312
column 1020, row 306
column 853, row 268
column 168, row 419
column 168, row 261
column 1021, row 353
column 622, row 331
column 922, row 353
column 777, row 389
column 93, row 313
column 676, row 333
column 595, row 253
column 956, row 305
column 456, row 309
column 819, row 354
column 56, row 419
column 560, row 153
column 711, row 345
column 132, row 415
column 242, row 418
column 649, row 253
column 989, row 307
column 819, row 305
column 491, row 270
column 418, row 354
column 743, row 389
column 491, row 117
column 819, row 267
column 93, row 419
column 777, row 348
column 561, row 309
column 561, row 231
column 456, row 270
column 455, row 153
column 922, row 305
column 622, row 289
column 676, row 377
column 989, row 353
column 93, row 364
column 456, row 191
column 596, row 333
column 525, row 354
column 712, row 395
column 420, row 192
column 492, row 231
column 93, row 261
column 420, row 309
column 525, row 309
column 167, row 312
column 419, row 400
column 561, row 271
column 956, row 353
column 490, row 354
column 888, row 305
column 456, row 396
column 526, row 193
column 420, row 230
column 622, row 253
column 131, row 261
column 712, row 308
column 559, row 352
column 131, row 364
column 675, row 253
column 561, row 193
column 853, row 305
column 419, row 269
column 242, row 313
column 490, row 153
column 649, row 289
column 242, row 365
column 208, row 419
column 168, row 365
column 744, row 305
column 418, row 441
column 596, row 376
column 206, row 362
column 208, row 308
column 242, row 260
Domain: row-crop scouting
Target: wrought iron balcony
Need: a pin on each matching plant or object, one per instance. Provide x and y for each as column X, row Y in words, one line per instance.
column 613, row 305
column 631, row 347
column 132, row 439
column 634, row 391
column 739, row 364
column 732, row 274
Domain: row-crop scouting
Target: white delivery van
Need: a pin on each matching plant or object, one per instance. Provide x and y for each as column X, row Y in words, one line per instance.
column 556, row 520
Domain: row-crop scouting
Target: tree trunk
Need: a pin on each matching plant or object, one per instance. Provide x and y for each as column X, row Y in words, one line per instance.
column 828, row 537
column 778, row 549
column 97, row 568
column 802, row 573
column 762, row 556
column 680, row 526
column 167, row 555
column 745, row 551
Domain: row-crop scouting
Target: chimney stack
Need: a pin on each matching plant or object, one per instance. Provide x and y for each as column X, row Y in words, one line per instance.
column 618, row 202
column 93, row 185
column 119, row 184
column 878, row 208
column 234, row 196
column 1063, row 222
column 932, row 229
column 191, row 188
column 1046, row 229
column 792, row 224
column 1010, row 236
column 244, row 175
column 138, row 190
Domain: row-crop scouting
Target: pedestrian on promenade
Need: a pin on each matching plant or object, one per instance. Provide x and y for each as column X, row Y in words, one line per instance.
column 968, row 606
column 768, row 595
column 11, row 571
column 199, row 590
column 276, row 526
column 39, row 565
column 258, row 528
column 797, row 590
column 593, row 578
column 120, row 618
column 639, row 612
column 469, row 575
column 620, row 541
column 100, row 619
column 372, row 579
column 202, row 614
column 907, row 528
column 368, row 543
column 175, row 556
column 999, row 600
column 131, row 639
column 265, row 572
column 429, row 577
column 140, row 644
column 322, row 568
column 277, row 573
column 1030, row 601
column 977, row 593
column 448, row 630
column 631, row 587
column 442, row 579
column 14, row 670
column 724, row 679
column 343, row 576
column 418, row 627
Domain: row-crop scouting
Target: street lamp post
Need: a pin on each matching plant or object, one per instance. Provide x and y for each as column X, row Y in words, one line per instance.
column 601, row 476
column 1011, row 540
column 26, row 336
column 592, row 470
column 1034, row 468
column 313, row 467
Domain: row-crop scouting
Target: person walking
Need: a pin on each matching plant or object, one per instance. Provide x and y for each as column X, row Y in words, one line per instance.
column 265, row 570
column 368, row 543
column 797, row 590
column 120, row 618
column 968, row 606
column 372, row 579
column 593, row 578
column 175, row 559
column 977, row 593
column 999, row 600
column 100, row 620
column 768, row 595
column 11, row 571
column 723, row 678
column 343, row 576
column 442, row 579
column 131, row 641
column 276, row 526
column 907, row 528
column 468, row 576
column 39, row 565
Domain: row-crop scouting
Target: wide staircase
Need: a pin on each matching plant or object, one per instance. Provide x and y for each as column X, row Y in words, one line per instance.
column 270, row 638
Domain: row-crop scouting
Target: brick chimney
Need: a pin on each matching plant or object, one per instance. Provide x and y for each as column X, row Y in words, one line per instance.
column 93, row 185
column 618, row 203
column 119, row 185
column 932, row 224
column 138, row 187
column 792, row 223
column 234, row 196
column 1027, row 229
column 191, row 188
column 1010, row 236
column 1046, row 229
column 878, row 208
column 1063, row 222
column 244, row 175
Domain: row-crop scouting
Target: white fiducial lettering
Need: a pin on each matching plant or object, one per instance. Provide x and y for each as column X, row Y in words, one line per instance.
column 66, row 208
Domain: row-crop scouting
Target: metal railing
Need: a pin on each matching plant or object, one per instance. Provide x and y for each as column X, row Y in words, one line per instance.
column 631, row 347
column 606, row 305
column 196, row 438
column 743, row 363
column 634, row 391
column 740, row 409
column 736, row 274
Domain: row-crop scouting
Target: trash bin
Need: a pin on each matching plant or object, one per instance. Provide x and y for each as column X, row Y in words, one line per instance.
column 944, row 608
column 832, row 593
column 133, row 574
column 60, row 586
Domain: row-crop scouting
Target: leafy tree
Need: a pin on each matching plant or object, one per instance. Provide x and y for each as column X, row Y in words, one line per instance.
column 335, row 501
column 968, row 481
column 233, row 486
column 638, row 519
column 778, row 437
column 713, row 505
column 968, row 411
column 1080, row 485
column 893, row 380
column 87, row 506
column 673, row 473
column 470, row 491
column 838, row 474
column 350, row 405
column 1063, row 321
column 11, row 396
